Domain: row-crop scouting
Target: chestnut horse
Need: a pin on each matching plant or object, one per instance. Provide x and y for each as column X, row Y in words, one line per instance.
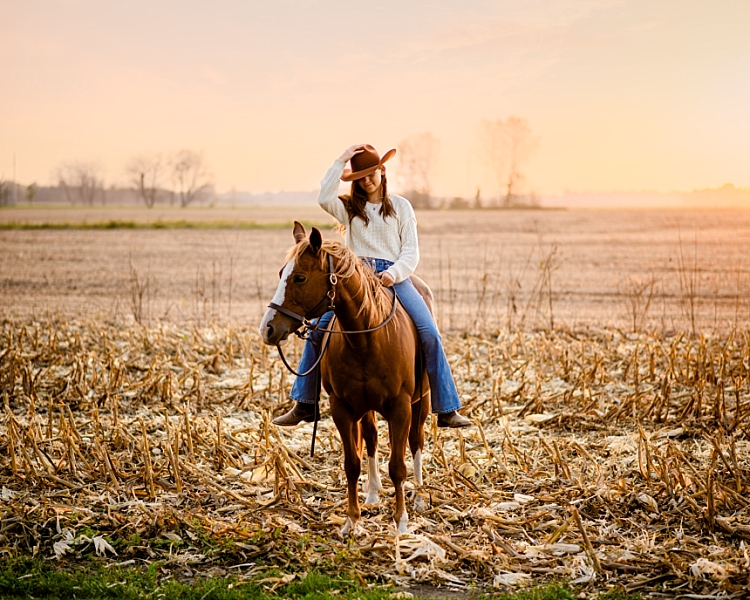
column 363, row 373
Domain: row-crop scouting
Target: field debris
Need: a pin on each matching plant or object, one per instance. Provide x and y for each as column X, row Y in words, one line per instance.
column 597, row 457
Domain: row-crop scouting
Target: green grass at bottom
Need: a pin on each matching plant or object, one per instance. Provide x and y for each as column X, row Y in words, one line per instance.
column 94, row 580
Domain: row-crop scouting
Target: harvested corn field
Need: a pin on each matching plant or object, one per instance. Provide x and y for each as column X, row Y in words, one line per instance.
column 602, row 458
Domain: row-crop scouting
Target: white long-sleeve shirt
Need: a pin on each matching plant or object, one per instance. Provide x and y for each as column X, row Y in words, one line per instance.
column 393, row 238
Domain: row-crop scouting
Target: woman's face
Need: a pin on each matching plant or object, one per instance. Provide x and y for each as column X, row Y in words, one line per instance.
column 372, row 182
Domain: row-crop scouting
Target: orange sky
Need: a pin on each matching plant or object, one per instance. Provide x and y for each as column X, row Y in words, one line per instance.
column 624, row 95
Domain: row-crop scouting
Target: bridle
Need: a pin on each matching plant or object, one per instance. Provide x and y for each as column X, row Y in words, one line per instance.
column 308, row 326
column 313, row 312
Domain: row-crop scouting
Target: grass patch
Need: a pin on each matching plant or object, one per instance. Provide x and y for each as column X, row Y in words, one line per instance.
column 559, row 592
column 45, row 580
column 95, row 580
column 159, row 224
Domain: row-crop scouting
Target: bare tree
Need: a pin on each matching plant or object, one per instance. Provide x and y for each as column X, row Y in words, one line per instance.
column 521, row 146
column 81, row 180
column 191, row 177
column 417, row 156
column 493, row 140
column 508, row 146
column 146, row 174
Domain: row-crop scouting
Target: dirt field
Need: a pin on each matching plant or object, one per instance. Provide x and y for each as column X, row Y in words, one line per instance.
column 490, row 270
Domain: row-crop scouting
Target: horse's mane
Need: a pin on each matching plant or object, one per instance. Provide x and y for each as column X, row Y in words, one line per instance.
column 376, row 303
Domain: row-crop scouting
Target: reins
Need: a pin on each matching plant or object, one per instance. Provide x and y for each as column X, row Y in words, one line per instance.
column 308, row 327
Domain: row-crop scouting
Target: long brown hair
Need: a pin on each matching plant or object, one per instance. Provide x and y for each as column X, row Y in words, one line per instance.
column 375, row 303
column 356, row 201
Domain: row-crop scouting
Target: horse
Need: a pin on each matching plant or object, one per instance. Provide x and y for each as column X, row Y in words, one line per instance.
column 363, row 373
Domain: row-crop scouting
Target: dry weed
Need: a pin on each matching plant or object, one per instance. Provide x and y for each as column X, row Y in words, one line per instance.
column 597, row 458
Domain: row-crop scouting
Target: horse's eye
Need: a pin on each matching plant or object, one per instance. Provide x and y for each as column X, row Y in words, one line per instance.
column 300, row 279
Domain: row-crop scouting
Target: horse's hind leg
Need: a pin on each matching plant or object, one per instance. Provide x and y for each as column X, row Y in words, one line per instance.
column 399, row 422
column 370, row 434
column 419, row 412
column 351, row 439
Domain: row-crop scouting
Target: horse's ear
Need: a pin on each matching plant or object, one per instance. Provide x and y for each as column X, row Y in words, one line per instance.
column 299, row 232
column 316, row 240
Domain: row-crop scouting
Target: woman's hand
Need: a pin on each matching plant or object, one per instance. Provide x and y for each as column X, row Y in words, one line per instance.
column 387, row 279
column 351, row 151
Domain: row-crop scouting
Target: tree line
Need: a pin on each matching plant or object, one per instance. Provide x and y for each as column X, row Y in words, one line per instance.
column 182, row 179
column 186, row 170
column 505, row 147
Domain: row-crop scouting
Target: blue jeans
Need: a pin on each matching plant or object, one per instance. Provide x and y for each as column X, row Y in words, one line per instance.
column 444, row 395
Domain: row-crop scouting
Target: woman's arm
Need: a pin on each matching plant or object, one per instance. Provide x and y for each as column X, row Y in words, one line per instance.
column 328, row 197
column 408, row 258
column 329, row 188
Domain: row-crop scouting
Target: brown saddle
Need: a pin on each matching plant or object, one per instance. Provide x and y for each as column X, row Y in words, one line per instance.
column 424, row 291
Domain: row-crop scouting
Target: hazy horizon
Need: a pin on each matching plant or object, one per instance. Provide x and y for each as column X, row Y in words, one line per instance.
column 727, row 196
column 622, row 96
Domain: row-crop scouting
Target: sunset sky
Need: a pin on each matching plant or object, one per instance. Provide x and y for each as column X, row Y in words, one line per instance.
column 623, row 95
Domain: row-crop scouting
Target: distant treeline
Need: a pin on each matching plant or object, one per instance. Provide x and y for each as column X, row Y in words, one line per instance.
column 425, row 201
column 11, row 194
column 38, row 194
column 182, row 178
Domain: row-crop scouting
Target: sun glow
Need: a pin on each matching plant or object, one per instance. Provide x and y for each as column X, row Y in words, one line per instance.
column 621, row 96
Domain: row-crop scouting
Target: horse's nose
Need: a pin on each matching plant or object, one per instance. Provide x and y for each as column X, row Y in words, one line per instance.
column 269, row 331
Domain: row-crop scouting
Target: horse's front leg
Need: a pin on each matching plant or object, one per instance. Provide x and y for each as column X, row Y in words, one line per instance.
column 370, row 435
column 399, row 422
column 351, row 439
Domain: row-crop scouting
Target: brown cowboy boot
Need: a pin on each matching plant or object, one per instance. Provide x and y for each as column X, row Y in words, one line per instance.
column 452, row 419
column 301, row 411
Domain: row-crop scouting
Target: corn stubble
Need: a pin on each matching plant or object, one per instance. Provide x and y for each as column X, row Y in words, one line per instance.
column 597, row 457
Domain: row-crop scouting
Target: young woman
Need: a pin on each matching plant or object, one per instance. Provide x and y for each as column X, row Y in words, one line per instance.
column 382, row 230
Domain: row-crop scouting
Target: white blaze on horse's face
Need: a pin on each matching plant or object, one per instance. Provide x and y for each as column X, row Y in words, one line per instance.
column 278, row 298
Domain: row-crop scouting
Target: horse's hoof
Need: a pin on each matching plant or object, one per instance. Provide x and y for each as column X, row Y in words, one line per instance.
column 421, row 504
column 403, row 523
column 351, row 528
column 372, row 498
column 347, row 527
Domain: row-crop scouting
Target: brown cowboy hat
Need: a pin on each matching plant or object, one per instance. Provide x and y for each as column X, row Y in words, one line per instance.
column 366, row 162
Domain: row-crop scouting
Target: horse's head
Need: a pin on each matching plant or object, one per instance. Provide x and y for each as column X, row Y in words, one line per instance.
column 303, row 288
